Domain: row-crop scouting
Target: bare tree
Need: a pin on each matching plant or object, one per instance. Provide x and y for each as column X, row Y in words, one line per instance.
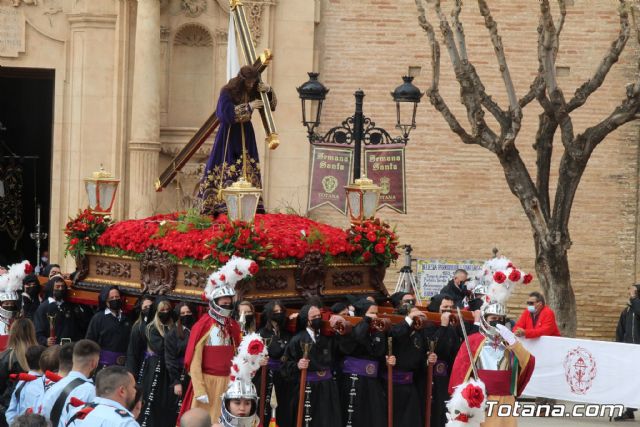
column 549, row 221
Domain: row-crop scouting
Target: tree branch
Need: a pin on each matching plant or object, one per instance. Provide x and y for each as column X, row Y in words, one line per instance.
column 544, row 150
column 626, row 112
column 498, row 47
column 433, row 93
column 521, row 185
column 459, row 30
column 548, row 51
column 468, row 90
column 587, row 88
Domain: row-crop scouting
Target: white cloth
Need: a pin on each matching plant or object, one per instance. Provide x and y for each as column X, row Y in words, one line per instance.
column 585, row 371
column 312, row 334
column 233, row 64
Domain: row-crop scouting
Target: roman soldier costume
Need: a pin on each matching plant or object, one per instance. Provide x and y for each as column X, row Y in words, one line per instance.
column 500, row 364
column 214, row 339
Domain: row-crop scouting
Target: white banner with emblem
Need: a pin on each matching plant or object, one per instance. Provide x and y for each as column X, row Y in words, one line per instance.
column 585, row 371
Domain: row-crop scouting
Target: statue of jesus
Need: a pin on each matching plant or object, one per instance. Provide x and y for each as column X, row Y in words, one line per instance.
column 234, row 150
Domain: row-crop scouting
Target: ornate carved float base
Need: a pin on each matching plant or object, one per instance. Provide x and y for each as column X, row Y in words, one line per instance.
column 156, row 274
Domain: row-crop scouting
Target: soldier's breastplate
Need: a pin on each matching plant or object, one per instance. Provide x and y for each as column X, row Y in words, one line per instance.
column 492, row 357
column 217, row 336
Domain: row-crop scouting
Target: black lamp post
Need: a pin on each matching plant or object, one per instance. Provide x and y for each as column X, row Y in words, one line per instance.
column 358, row 128
column 363, row 194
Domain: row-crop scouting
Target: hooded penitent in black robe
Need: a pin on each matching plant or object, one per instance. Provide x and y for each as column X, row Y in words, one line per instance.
column 159, row 401
column 174, row 350
column 110, row 331
column 448, row 340
column 364, row 401
column 276, row 339
column 410, row 349
column 322, row 401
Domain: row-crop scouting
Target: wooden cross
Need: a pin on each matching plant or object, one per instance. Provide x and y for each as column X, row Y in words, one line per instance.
column 260, row 63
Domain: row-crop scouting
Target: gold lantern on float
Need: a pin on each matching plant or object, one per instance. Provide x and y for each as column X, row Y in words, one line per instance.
column 242, row 200
column 362, row 199
column 101, row 190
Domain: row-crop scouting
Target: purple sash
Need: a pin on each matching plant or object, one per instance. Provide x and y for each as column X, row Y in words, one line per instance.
column 274, row 364
column 317, row 376
column 148, row 354
column 109, row 358
column 363, row 367
column 399, row 377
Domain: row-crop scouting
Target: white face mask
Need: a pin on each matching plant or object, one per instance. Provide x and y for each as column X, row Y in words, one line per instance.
column 531, row 308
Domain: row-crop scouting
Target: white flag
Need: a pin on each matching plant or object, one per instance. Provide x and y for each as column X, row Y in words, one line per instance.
column 233, row 64
column 586, row 371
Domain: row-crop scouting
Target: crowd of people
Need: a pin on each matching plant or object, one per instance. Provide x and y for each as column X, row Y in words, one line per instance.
column 68, row 364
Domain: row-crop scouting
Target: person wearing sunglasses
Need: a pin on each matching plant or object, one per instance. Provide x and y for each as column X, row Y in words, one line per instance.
column 537, row 320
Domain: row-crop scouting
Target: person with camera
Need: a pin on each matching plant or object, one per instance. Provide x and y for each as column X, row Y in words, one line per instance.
column 628, row 331
column 456, row 288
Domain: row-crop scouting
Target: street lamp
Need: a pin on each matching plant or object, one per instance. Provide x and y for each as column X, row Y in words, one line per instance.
column 312, row 93
column 101, row 190
column 406, row 96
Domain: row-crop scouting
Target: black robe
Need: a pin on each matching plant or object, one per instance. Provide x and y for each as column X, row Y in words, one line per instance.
column 322, row 397
column 71, row 321
column 174, row 349
column 136, row 349
column 448, row 340
column 111, row 333
column 364, row 400
column 8, row 365
column 159, row 400
column 410, row 349
column 277, row 344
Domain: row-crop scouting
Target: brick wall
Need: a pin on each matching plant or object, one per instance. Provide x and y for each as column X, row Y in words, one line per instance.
column 459, row 205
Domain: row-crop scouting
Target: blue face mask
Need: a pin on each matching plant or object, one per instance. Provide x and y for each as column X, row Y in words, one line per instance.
column 531, row 309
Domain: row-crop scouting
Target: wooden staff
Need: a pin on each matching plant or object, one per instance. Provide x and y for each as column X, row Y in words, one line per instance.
column 303, row 385
column 52, row 325
column 390, row 384
column 427, row 412
column 263, row 384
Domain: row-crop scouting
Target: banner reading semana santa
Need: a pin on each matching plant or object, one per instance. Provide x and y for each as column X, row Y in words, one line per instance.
column 385, row 166
column 331, row 171
column 584, row 371
column 434, row 274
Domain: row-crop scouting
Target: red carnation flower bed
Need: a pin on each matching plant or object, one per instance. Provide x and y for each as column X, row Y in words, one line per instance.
column 273, row 239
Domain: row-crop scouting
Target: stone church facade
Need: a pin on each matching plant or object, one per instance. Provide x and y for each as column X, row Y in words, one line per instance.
column 135, row 79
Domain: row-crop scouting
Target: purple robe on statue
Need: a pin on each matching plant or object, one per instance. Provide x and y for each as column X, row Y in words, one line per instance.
column 225, row 164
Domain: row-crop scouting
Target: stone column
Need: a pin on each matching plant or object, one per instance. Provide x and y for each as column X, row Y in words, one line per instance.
column 144, row 146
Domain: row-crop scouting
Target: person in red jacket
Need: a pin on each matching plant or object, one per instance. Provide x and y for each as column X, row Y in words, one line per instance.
column 537, row 320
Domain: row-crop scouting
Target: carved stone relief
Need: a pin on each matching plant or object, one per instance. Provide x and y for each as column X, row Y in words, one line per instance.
column 193, row 8
column 193, row 35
